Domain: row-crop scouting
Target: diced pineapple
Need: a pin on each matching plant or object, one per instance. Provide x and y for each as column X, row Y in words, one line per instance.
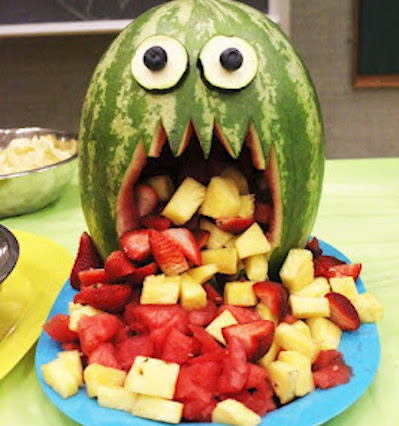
column 116, row 397
column 239, row 179
column 232, row 412
column 240, row 293
column 252, row 242
column 247, row 208
column 368, row 307
column 309, row 307
column 58, row 376
column 231, row 243
column 165, row 293
column 302, row 327
column 345, row 286
column 326, row 332
column 217, row 237
column 283, row 378
column 266, row 313
column 270, row 356
column 304, row 383
column 185, row 201
column 319, row 287
column 204, row 273
column 297, row 271
column 155, row 279
column 224, row 258
column 73, row 363
column 159, row 409
column 291, row 339
column 153, row 377
column 78, row 312
column 256, row 267
column 163, row 186
column 192, row 294
column 96, row 375
column 225, row 319
column 222, row 199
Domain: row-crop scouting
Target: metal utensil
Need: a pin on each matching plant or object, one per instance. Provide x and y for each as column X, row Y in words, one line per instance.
column 9, row 252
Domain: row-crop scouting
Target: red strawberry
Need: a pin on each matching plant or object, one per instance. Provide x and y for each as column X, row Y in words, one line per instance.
column 86, row 258
column 213, row 294
column 342, row 312
column 256, row 337
column 184, row 240
column 118, row 266
column 201, row 237
column 322, row 264
column 289, row 319
column 146, row 199
column 242, row 314
column 345, row 270
column 93, row 276
column 104, row 354
column 135, row 245
column 263, row 212
column 168, row 257
column 127, row 350
column 107, row 297
column 234, row 225
column 138, row 276
column 157, row 222
column 314, row 247
column 274, row 296
column 57, row 328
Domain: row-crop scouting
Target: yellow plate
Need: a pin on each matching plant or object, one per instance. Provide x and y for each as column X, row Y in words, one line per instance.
column 27, row 295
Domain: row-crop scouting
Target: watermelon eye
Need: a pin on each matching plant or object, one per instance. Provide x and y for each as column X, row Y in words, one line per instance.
column 228, row 62
column 159, row 62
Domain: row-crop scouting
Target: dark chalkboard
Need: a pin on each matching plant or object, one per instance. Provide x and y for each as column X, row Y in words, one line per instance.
column 376, row 43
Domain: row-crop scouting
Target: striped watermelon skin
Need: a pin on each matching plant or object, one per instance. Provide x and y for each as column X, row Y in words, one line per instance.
column 280, row 104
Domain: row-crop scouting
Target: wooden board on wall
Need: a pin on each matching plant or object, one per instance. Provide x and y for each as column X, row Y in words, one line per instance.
column 376, row 43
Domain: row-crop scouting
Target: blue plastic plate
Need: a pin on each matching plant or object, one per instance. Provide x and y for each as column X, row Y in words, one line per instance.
column 361, row 350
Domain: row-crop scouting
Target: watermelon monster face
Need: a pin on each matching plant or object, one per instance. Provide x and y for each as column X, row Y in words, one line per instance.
column 190, row 87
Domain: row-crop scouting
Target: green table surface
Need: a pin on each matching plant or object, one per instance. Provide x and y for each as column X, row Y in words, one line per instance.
column 359, row 215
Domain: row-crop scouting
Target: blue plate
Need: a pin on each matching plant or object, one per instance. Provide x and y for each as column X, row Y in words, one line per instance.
column 361, row 350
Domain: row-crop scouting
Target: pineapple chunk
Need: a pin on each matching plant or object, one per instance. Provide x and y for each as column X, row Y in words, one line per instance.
column 266, row 313
column 96, row 375
column 309, row 307
column 58, row 376
column 222, row 199
column 231, row 243
column 159, row 409
column 247, row 208
column 73, row 363
column 217, row 237
column 319, row 287
column 251, row 242
column 326, row 332
column 304, row 383
column 297, row 270
column 232, row 412
column 116, row 397
column 166, row 293
column 153, row 377
column 77, row 312
column 192, row 294
column 224, row 258
column 202, row 274
column 283, row 378
column 225, row 319
column 185, row 201
column 345, row 286
column 155, row 279
column 256, row 267
column 368, row 307
column 239, row 179
column 240, row 293
column 291, row 339
column 163, row 186
column 302, row 327
column 270, row 356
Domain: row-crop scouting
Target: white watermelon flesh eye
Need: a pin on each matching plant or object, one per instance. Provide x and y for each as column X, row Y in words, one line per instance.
column 159, row 62
column 228, row 62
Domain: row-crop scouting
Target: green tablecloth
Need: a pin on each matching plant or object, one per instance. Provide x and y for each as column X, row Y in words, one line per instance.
column 359, row 215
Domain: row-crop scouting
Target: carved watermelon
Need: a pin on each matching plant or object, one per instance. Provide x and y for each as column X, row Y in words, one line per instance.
column 267, row 119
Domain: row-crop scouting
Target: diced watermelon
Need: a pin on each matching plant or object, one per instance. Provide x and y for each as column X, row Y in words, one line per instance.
column 204, row 316
column 127, row 350
column 104, row 354
column 207, row 342
column 123, row 332
column 71, row 346
column 129, row 316
column 327, row 357
column 57, row 328
column 242, row 314
column 178, row 347
column 199, row 410
column 332, row 375
column 257, row 377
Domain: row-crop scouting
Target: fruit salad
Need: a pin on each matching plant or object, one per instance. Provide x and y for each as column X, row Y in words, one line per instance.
column 183, row 322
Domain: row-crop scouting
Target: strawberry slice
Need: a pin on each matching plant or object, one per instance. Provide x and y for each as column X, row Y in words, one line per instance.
column 274, row 296
column 146, row 199
column 234, row 225
column 138, row 276
column 203, row 316
column 322, row 264
column 157, row 222
column 93, row 276
column 57, row 328
column 345, row 270
column 342, row 312
column 201, row 237
column 167, row 255
column 135, row 245
column 118, row 266
column 184, row 240
column 107, row 297
column 256, row 337
column 87, row 257
column 314, row 247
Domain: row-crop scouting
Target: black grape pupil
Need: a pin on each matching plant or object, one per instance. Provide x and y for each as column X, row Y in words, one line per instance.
column 155, row 58
column 231, row 59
